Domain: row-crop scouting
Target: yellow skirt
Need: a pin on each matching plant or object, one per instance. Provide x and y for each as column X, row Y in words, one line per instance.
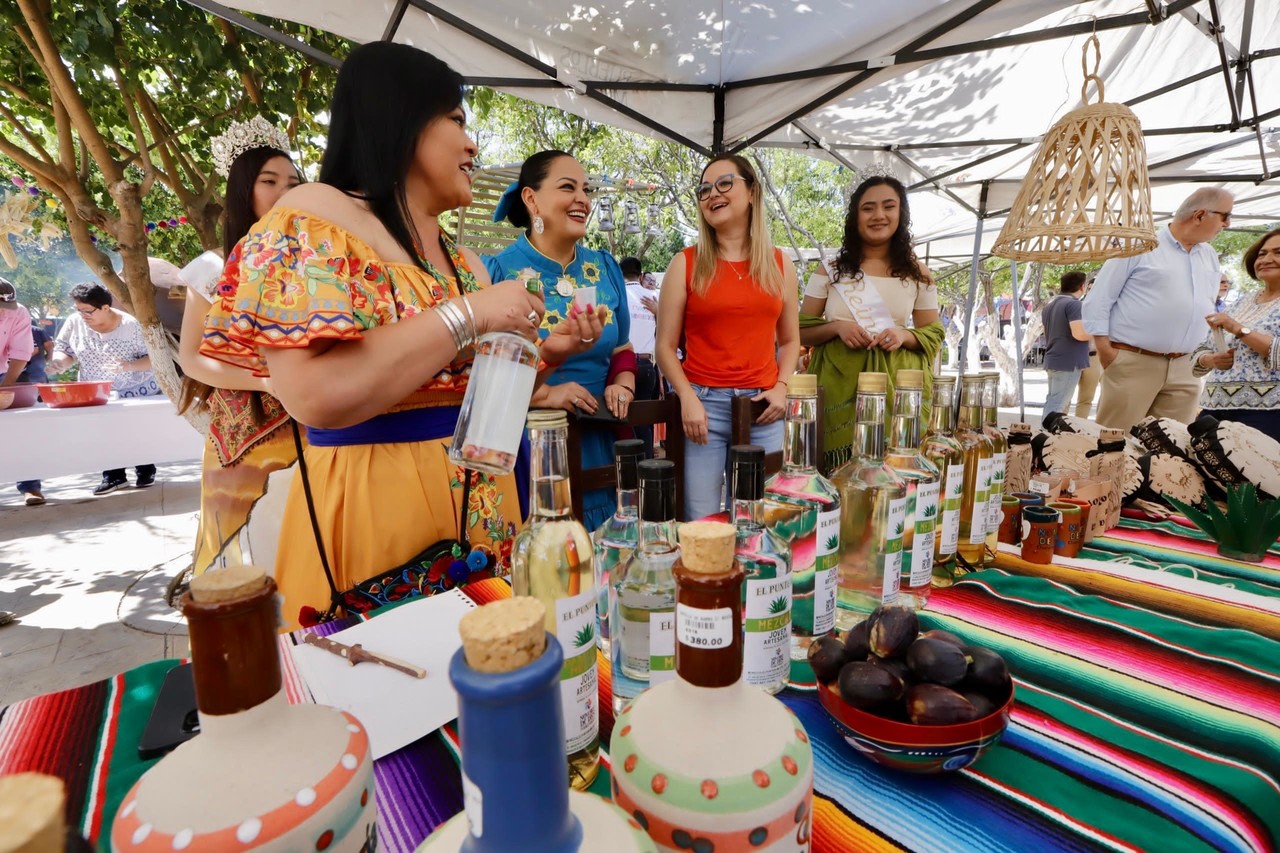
column 378, row 506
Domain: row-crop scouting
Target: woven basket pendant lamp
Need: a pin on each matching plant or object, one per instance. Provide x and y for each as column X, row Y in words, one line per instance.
column 1086, row 196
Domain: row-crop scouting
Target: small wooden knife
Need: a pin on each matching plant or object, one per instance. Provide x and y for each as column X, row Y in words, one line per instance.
column 358, row 654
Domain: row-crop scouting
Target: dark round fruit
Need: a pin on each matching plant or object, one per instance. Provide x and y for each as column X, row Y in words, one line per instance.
column 855, row 640
column 937, row 661
column 826, row 656
column 865, row 685
column 987, row 671
column 897, row 666
column 982, row 706
column 946, row 636
column 935, row 705
column 891, row 629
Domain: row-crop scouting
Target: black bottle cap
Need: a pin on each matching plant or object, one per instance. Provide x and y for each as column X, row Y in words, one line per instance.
column 657, row 489
column 627, row 453
column 747, row 467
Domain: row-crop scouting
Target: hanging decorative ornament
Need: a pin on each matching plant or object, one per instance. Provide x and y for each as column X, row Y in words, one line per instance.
column 1086, row 196
column 631, row 217
column 655, row 227
column 605, row 206
column 17, row 215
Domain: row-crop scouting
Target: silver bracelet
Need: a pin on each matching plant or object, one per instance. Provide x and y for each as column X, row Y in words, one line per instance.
column 455, row 322
column 471, row 317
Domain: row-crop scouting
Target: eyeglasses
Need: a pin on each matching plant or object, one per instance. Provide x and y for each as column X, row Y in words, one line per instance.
column 88, row 312
column 722, row 185
column 1225, row 214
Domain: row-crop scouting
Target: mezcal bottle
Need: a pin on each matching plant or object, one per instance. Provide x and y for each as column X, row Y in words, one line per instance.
column 805, row 511
column 706, row 761
column 766, row 558
column 923, row 480
column 941, row 448
column 616, row 538
column 551, row 561
column 873, row 512
column 643, row 617
column 999, row 454
column 977, row 474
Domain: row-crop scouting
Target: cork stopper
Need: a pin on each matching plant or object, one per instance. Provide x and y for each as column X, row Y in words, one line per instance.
column 32, row 808
column 548, row 419
column 504, row 635
column 802, row 385
column 872, row 383
column 227, row 584
column 909, row 379
column 944, row 379
column 706, row 547
column 1019, row 428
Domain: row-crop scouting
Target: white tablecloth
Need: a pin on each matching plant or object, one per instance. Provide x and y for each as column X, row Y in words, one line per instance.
column 40, row 442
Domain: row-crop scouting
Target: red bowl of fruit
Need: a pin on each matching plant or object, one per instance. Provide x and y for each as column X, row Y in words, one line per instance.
column 65, row 395
column 18, row 396
column 922, row 703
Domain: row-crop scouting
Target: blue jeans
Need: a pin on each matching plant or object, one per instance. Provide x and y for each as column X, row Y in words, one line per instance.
column 1062, row 388
column 706, row 466
column 28, row 486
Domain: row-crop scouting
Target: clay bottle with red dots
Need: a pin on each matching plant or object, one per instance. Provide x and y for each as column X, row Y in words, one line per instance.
column 706, row 761
column 288, row 777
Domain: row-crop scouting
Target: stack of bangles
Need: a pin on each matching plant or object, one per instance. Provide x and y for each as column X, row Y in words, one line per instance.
column 462, row 328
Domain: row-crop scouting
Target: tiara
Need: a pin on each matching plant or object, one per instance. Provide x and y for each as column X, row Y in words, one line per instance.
column 877, row 169
column 243, row 136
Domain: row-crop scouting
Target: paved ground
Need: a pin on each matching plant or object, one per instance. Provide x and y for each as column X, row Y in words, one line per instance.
column 87, row 575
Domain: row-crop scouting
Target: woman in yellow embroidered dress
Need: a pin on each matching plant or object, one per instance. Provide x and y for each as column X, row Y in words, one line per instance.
column 362, row 312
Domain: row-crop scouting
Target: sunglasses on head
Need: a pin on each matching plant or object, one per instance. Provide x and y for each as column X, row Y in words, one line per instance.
column 722, row 185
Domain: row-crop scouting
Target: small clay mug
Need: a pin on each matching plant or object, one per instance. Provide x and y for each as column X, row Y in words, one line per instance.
column 1010, row 520
column 1070, row 536
column 1027, row 499
column 1085, row 506
column 1039, row 528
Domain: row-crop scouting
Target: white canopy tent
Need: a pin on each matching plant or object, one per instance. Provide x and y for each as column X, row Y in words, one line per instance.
column 952, row 95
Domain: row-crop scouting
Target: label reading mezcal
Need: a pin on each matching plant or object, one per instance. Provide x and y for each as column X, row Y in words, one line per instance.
column 576, row 631
column 895, row 526
column 926, row 520
column 766, row 656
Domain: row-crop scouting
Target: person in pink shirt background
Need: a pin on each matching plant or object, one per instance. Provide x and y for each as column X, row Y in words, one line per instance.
column 16, row 347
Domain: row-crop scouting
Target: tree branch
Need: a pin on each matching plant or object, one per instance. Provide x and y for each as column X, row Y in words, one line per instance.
column 35, row 144
column 21, row 93
column 135, row 124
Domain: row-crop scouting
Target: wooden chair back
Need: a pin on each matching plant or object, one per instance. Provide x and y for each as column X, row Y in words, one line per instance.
column 639, row 413
column 744, row 413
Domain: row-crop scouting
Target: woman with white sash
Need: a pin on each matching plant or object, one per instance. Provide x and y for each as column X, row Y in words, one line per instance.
column 875, row 308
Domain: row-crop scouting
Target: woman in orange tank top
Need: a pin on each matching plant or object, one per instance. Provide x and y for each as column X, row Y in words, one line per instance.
column 734, row 302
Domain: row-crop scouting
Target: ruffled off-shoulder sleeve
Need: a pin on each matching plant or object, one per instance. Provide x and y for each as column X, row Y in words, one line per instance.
column 292, row 280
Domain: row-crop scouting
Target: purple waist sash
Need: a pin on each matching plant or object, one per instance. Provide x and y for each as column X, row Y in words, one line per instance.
column 426, row 424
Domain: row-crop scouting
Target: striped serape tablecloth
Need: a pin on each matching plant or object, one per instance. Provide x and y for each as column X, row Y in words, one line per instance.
column 1133, row 729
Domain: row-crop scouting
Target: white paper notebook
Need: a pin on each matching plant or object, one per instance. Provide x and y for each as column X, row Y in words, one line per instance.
column 396, row 708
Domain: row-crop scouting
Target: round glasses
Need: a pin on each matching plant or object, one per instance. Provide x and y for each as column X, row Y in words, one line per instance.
column 722, row 185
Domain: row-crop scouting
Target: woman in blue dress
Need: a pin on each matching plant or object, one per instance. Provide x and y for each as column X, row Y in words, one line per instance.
column 552, row 203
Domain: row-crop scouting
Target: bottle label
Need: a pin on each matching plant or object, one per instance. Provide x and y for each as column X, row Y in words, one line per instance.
column 926, row 522
column 662, row 647
column 828, row 544
column 767, row 623
column 473, row 804
column 978, row 524
column 496, row 421
column 826, row 579
column 579, row 692
column 994, row 499
column 895, row 526
column 704, row 628
column 635, row 610
column 951, row 509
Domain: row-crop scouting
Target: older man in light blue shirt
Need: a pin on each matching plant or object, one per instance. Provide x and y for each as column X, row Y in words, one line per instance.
column 1147, row 313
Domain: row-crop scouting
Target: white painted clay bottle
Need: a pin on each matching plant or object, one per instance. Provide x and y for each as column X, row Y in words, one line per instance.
column 262, row 774
column 707, row 762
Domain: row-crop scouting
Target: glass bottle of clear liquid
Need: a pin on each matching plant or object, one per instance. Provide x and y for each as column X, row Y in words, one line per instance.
column 924, row 483
column 503, row 373
column 766, row 558
column 805, row 511
column 999, row 454
column 977, row 475
column 873, row 512
column 551, row 561
column 642, row 622
column 941, row 448
column 616, row 538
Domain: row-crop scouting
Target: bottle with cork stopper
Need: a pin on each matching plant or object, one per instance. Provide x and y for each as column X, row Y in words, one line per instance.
column 803, row 507
column 507, row 676
column 287, row 776
column 707, row 761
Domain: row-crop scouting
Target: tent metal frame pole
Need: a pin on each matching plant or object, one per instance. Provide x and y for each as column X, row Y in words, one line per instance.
column 1017, row 340
column 393, row 22
column 244, row 22
column 717, row 121
column 1257, row 126
column 963, row 361
column 933, row 180
column 1226, row 63
column 1208, row 149
column 1246, row 39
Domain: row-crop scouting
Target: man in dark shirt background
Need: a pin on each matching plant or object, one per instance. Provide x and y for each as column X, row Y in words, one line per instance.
column 35, row 371
column 1067, row 343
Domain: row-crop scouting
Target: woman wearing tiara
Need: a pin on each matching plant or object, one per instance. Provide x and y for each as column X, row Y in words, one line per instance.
column 363, row 313
column 551, row 201
column 856, row 319
column 248, row 435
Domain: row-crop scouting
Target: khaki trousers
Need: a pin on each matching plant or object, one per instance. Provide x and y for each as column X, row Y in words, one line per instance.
column 1088, row 388
column 1136, row 385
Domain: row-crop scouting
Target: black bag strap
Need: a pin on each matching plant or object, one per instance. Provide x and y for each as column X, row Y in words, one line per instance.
column 335, row 597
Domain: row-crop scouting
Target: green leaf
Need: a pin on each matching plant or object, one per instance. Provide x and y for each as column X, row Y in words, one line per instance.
column 778, row 605
column 585, row 636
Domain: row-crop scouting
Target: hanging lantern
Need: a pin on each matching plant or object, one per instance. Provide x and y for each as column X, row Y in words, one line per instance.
column 655, row 227
column 1086, row 196
column 631, row 219
column 605, row 206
